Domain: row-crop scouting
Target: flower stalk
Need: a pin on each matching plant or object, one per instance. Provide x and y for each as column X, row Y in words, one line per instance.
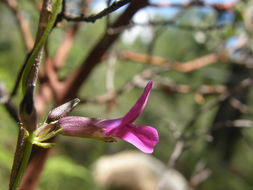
column 27, row 112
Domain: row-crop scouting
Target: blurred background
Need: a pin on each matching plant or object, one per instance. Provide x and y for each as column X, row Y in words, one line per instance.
column 198, row 53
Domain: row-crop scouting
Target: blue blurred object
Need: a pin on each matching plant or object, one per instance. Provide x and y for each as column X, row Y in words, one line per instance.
column 225, row 17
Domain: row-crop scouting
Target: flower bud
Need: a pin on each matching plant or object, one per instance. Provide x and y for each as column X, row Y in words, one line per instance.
column 62, row 110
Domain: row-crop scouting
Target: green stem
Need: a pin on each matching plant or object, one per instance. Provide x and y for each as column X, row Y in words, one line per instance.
column 25, row 159
column 24, row 154
column 41, row 42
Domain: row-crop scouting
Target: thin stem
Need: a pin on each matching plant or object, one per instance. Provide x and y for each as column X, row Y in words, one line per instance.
column 41, row 42
column 92, row 18
column 26, row 156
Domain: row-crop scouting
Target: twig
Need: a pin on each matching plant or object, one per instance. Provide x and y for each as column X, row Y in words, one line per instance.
column 18, row 79
column 8, row 104
column 69, row 36
column 217, row 6
column 181, row 88
column 242, row 123
column 65, row 47
column 237, row 104
column 200, row 174
column 92, row 18
column 181, row 67
column 78, row 77
column 144, row 58
column 200, row 177
column 22, row 23
column 110, row 72
column 179, row 147
column 137, row 81
column 175, row 24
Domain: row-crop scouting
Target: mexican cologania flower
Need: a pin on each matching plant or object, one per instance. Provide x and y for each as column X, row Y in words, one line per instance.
column 142, row 137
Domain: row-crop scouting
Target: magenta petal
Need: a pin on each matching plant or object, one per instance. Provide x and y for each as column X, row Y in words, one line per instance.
column 142, row 137
column 112, row 123
column 140, row 104
column 109, row 125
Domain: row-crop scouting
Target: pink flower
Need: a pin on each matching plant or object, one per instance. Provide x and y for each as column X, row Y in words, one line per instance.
column 142, row 137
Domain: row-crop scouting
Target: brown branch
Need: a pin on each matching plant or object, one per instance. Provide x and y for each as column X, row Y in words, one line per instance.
column 78, row 77
column 50, row 85
column 65, row 47
column 198, row 63
column 22, row 23
column 203, row 90
column 140, row 79
column 69, row 36
column 92, row 18
column 26, row 36
column 49, row 82
column 42, row 22
column 181, row 67
column 144, row 58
